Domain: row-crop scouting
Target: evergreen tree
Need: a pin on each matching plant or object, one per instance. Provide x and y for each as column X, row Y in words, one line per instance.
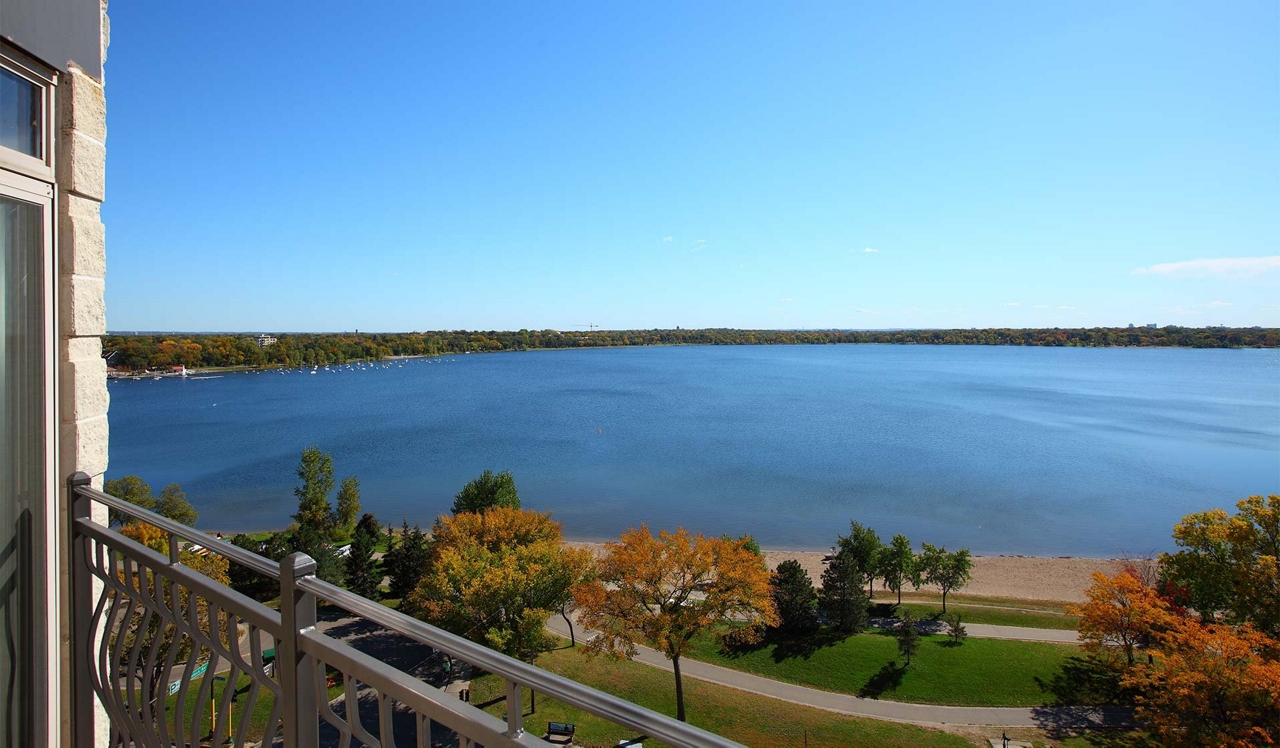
column 315, row 543
column 348, row 507
column 489, row 490
column 794, row 598
column 407, row 561
column 315, row 470
column 362, row 571
column 842, row 596
column 907, row 635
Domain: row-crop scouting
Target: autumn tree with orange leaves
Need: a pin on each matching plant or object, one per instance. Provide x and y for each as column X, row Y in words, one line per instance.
column 1122, row 613
column 663, row 591
column 1211, row 685
column 496, row 576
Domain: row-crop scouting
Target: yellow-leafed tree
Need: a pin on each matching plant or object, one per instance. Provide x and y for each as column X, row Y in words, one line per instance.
column 496, row 576
column 1122, row 613
column 663, row 591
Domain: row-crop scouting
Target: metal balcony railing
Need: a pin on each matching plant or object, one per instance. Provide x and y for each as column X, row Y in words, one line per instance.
column 151, row 629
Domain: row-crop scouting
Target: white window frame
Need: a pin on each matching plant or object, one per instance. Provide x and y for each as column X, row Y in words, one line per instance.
column 47, row 661
column 46, row 80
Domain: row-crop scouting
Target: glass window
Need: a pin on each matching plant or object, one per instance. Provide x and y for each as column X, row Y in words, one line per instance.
column 22, row 459
column 21, row 106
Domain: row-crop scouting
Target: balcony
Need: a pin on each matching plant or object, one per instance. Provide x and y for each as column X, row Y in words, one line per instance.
column 151, row 636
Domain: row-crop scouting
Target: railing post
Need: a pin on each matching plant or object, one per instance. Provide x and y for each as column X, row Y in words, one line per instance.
column 515, row 709
column 81, row 617
column 297, row 669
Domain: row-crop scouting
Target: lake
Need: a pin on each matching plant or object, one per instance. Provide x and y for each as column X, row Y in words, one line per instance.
column 1038, row 451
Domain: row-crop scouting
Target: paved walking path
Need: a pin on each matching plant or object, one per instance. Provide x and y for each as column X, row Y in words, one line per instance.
column 925, row 714
column 992, row 631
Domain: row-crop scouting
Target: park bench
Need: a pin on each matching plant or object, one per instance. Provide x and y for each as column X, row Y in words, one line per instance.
column 561, row 732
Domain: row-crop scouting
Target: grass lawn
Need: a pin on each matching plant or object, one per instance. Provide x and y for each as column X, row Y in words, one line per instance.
column 979, row 672
column 257, row 719
column 983, row 613
column 747, row 718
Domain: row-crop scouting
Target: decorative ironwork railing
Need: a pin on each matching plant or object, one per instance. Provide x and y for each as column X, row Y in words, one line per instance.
column 153, row 636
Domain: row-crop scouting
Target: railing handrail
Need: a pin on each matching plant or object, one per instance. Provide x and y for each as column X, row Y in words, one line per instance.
column 231, row 551
column 612, row 708
column 619, row 711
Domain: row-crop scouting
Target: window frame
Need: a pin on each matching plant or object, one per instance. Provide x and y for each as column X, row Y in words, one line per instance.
column 47, row 658
column 46, row 80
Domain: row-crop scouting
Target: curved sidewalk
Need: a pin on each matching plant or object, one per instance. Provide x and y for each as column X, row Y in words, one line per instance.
column 924, row 714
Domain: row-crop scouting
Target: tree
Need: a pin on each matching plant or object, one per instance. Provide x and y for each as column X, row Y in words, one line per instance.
column 496, row 576
column 842, row 598
column 663, row 591
column 1120, row 612
column 794, row 598
column 489, row 490
column 361, row 570
column 862, row 549
column 898, row 565
column 406, row 561
column 132, row 489
column 315, row 470
column 1228, row 563
column 314, row 542
column 946, row 571
column 348, row 507
column 249, row 582
column 173, row 504
column 907, row 635
column 1212, row 685
column 955, row 628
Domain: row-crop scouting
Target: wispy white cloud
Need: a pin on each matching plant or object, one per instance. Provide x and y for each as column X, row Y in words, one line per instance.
column 699, row 241
column 864, row 310
column 869, row 250
column 1217, row 304
column 668, row 239
column 1067, row 308
column 1224, row 267
column 787, row 300
column 697, row 244
column 1013, row 303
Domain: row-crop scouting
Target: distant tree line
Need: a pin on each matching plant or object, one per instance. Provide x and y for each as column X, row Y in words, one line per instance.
column 155, row 351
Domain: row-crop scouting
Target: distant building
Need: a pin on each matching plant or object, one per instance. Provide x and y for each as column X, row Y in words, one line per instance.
column 265, row 340
column 1130, row 325
column 1152, row 325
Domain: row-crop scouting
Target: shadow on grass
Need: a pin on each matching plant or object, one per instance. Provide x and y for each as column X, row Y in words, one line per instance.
column 787, row 646
column 1085, row 681
column 887, row 678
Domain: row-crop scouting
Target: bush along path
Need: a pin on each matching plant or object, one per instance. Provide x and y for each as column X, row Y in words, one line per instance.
column 1044, row 717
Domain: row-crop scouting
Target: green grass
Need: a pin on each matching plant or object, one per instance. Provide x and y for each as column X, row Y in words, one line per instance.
column 1013, row 603
column 993, row 615
column 979, row 672
column 748, row 718
column 257, row 719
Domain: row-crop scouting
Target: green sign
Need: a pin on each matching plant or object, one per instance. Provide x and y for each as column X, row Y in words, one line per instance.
column 200, row 670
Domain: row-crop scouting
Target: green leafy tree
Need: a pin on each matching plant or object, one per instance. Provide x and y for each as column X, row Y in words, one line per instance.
column 315, row 543
column 955, row 628
column 132, row 489
column 907, row 635
column 249, row 582
column 172, row 503
column 348, row 507
column 407, row 560
column 489, row 490
column 361, row 570
column 898, row 565
column 1227, row 564
column 946, row 571
column 842, row 597
column 748, row 542
column 315, row 470
column 794, row 598
column 862, row 550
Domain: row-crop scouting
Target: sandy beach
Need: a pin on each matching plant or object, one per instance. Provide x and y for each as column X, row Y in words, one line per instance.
column 1022, row 577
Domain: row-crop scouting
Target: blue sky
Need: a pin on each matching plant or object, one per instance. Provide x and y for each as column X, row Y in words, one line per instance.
column 421, row 165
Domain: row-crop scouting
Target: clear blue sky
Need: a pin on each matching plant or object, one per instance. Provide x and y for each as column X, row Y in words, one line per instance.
column 423, row 165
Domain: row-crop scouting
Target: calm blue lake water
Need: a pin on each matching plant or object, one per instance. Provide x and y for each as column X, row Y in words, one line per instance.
column 1005, row 450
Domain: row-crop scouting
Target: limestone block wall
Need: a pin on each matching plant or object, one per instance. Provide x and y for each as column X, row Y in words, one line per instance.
column 81, row 156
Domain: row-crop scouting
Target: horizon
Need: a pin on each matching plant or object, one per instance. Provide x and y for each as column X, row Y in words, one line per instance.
column 827, row 167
